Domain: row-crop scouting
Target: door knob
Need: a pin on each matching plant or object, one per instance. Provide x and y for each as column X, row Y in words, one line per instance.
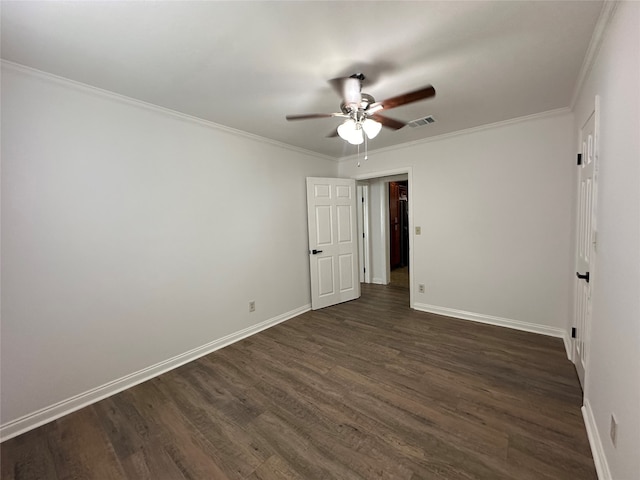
column 584, row 277
column 315, row 252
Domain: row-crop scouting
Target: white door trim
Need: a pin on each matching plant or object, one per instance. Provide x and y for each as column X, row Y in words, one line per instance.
column 364, row 241
column 387, row 173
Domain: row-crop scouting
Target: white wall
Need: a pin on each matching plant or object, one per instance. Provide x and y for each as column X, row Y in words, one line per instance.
column 494, row 205
column 131, row 235
column 612, row 383
column 379, row 209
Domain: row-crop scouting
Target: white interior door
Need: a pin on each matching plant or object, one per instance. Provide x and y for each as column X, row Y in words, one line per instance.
column 585, row 249
column 333, row 242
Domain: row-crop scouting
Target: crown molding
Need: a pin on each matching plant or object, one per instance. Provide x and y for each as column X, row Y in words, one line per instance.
column 90, row 89
column 606, row 14
column 466, row 131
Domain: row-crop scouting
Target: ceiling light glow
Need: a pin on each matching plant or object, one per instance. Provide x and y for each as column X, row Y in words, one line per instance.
column 352, row 131
column 371, row 128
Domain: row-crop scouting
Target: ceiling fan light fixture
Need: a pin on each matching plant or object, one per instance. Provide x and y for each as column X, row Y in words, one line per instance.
column 357, row 137
column 371, row 128
column 351, row 132
column 361, row 109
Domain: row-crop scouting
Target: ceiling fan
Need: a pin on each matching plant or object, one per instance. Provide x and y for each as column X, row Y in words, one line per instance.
column 362, row 112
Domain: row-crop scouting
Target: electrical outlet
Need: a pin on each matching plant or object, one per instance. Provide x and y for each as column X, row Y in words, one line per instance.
column 252, row 306
column 613, row 430
column 421, row 288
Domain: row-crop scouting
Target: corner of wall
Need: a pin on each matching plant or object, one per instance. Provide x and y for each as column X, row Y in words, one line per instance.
column 595, row 441
column 568, row 345
column 492, row 320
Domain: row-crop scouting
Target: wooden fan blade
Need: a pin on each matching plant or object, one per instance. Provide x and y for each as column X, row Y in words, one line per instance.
column 406, row 98
column 348, row 88
column 309, row 116
column 336, row 83
column 333, row 134
column 388, row 122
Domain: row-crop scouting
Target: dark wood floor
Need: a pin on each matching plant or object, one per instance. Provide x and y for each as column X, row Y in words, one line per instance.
column 367, row 389
column 400, row 277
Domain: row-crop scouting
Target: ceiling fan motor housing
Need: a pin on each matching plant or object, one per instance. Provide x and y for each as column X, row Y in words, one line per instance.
column 365, row 101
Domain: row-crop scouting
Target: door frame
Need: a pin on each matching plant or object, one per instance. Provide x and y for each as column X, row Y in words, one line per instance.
column 364, row 226
column 388, row 173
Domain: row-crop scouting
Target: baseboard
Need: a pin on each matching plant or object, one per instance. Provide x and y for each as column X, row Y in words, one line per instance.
column 491, row 320
column 377, row 281
column 597, row 450
column 57, row 410
column 568, row 345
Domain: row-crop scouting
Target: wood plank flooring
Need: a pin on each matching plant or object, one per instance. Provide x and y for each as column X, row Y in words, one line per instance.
column 364, row 390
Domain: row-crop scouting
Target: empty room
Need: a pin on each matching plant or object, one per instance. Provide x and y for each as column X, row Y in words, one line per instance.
column 320, row 240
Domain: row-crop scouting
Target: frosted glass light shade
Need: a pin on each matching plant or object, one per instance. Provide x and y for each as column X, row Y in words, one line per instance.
column 371, row 127
column 346, row 129
column 356, row 137
column 351, row 132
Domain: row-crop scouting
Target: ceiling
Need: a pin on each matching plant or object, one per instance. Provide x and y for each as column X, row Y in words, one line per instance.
column 246, row 65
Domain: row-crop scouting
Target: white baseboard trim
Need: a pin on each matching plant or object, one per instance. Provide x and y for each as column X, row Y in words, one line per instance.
column 597, row 450
column 48, row 414
column 491, row 320
column 377, row 281
column 568, row 345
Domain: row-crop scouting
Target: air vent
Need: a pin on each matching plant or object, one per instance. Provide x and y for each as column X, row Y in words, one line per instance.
column 422, row 121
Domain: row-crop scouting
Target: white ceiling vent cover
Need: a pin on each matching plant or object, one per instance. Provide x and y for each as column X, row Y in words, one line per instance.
column 419, row 122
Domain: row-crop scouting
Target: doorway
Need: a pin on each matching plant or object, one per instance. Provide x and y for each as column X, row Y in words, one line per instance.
column 376, row 239
column 399, row 233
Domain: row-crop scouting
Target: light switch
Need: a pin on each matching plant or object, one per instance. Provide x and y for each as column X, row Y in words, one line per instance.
column 418, row 230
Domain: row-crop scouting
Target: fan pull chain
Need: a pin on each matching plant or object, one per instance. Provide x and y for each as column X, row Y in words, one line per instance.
column 366, row 150
column 366, row 147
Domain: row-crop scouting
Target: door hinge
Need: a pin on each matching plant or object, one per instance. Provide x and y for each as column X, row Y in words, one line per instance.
column 362, row 199
column 573, row 332
column 363, row 235
column 364, row 269
column 584, row 277
column 579, row 159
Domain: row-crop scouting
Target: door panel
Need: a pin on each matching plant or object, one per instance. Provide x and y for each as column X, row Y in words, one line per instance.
column 345, row 224
column 323, row 225
column 346, row 272
column 344, row 191
column 331, row 206
column 325, row 277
